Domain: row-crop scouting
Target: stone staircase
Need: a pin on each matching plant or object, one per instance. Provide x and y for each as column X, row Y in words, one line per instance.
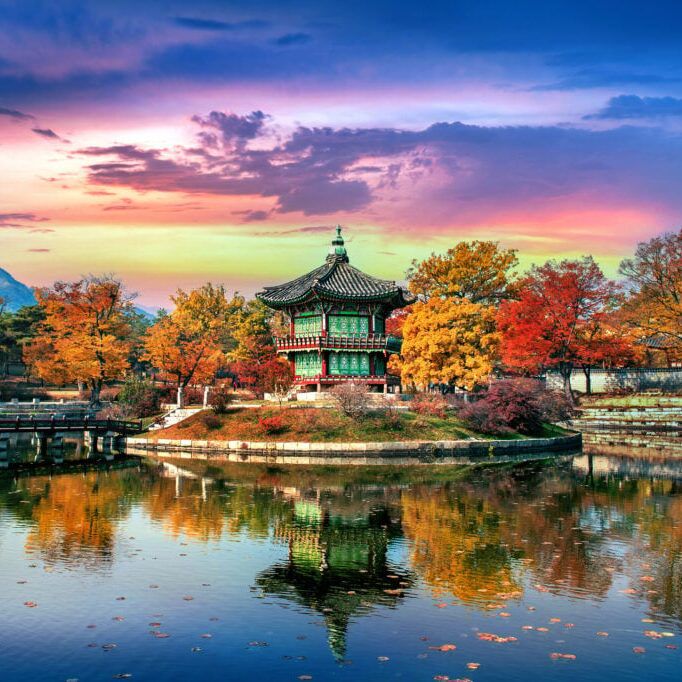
column 654, row 426
column 174, row 416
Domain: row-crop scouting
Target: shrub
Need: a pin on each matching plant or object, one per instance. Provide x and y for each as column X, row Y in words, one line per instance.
column 211, row 420
column 272, row 425
column 138, row 397
column 220, row 399
column 352, row 399
column 429, row 404
column 520, row 405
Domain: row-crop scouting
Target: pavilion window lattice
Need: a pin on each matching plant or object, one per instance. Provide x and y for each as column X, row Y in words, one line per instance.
column 308, row 364
column 349, row 364
column 348, row 325
column 310, row 325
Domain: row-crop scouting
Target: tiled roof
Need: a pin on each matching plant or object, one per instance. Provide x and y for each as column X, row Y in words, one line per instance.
column 336, row 279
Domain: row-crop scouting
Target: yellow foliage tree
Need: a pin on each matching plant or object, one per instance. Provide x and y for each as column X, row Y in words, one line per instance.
column 190, row 344
column 449, row 341
column 85, row 336
column 450, row 336
column 476, row 270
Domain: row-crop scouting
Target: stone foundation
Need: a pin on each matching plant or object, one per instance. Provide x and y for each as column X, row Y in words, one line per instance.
column 356, row 454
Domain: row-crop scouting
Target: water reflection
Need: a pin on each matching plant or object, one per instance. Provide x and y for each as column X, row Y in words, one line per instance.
column 484, row 542
column 337, row 563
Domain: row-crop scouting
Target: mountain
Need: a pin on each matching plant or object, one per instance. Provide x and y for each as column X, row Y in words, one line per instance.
column 14, row 293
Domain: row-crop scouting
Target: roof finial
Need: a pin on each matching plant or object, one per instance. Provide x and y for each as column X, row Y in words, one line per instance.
column 338, row 250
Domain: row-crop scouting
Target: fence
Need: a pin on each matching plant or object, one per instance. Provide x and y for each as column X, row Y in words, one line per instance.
column 627, row 380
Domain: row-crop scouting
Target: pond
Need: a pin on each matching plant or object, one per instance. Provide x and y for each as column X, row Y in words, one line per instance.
column 563, row 571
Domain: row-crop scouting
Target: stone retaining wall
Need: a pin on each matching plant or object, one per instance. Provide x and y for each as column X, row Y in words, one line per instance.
column 394, row 452
column 667, row 379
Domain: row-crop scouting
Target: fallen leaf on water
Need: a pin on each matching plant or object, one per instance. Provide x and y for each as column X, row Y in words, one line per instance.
column 601, row 633
column 638, row 649
column 109, row 647
column 118, row 618
column 671, row 646
column 187, row 597
column 647, row 578
column 207, row 635
column 653, row 634
column 629, row 590
column 441, row 606
column 155, row 624
column 120, row 598
column 648, row 620
column 195, row 649
column 526, row 627
column 30, row 604
column 443, row 647
column 569, row 625
column 305, row 677
column 473, row 666
column 555, row 620
column 568, row 657
column 122, row 676
column 542, row 629
column 161, row 635
column 383, row 659
column 504, row 614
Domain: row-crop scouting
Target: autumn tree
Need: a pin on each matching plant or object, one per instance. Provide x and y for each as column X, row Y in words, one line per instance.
column 85, row 334
column 192, row 342
column 449, row 335
column 654, row 278
column 476, row 271
column 560, row 320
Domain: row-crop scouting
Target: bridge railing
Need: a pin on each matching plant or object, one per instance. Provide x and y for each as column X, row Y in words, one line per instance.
column 68, row 423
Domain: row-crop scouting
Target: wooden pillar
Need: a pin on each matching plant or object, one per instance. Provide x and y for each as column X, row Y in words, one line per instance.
column 371, row 364
column 324, row 370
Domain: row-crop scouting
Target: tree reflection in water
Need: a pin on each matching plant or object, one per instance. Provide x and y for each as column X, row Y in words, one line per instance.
column 484, row 540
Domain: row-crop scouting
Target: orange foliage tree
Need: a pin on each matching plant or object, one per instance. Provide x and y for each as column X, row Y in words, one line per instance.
column 191, row 343
column 562, row 319
column 85, row 334
column 654, row 306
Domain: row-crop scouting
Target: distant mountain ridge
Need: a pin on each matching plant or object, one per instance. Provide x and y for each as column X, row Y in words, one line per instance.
column 15, row 294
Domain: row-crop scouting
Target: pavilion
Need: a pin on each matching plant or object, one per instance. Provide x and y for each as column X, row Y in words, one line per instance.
column 337, row 323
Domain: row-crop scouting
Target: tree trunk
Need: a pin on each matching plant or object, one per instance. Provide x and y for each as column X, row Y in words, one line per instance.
column 95, row 393
column 588, row 379
column 566, row 374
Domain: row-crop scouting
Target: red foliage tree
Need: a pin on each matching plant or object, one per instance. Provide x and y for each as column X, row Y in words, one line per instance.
column 562, row 319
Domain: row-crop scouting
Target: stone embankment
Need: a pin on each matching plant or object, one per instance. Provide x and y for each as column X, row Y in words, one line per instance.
column 645, row 425
column 465, row 452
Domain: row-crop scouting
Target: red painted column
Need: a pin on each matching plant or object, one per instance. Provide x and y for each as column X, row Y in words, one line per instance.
column 324, row 363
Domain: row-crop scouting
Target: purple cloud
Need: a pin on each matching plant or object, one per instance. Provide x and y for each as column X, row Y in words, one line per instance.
column 450, row 168
column 48, row 133
column 632, row 106
column 289, row 39
column 20, row 219
column 15, row 114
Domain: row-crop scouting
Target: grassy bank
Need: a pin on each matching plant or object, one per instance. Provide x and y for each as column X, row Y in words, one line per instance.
column 324, row 426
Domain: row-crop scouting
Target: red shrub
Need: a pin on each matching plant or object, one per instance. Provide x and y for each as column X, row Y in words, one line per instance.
column 429, row 404
column 520, row 405
column 272, row 425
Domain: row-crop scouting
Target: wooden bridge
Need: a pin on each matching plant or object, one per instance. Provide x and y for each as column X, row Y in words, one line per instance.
column 49, row 431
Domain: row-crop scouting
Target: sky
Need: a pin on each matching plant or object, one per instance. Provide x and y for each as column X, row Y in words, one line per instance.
column 174, row 143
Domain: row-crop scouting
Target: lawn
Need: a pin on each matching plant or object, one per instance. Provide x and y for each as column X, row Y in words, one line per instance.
column 320, row 425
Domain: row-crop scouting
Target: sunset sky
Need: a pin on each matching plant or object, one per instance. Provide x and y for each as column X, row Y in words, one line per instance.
column 173, row 143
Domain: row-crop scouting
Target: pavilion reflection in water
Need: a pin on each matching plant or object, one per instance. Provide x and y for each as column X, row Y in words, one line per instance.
column 337, row 564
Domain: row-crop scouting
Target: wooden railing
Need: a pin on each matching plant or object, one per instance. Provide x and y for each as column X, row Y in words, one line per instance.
column 50, row 424
column 350, row 342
